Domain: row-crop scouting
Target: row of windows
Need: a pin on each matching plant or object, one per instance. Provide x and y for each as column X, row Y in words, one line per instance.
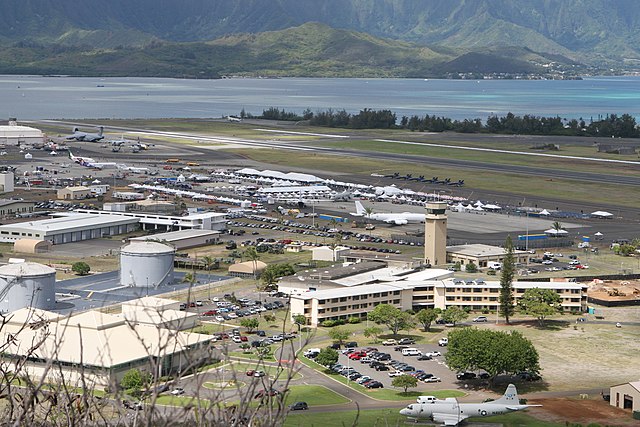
column 359, row 297
column 365, row 306
column 16, row 233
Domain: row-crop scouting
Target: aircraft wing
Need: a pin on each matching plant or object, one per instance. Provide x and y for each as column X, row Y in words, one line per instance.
column 449, row 419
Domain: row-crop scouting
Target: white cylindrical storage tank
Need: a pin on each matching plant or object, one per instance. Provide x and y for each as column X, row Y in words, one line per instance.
column 145, row 264
column 27, row 284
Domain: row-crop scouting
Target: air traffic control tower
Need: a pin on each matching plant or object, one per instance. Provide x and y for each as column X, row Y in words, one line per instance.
column 435, row 233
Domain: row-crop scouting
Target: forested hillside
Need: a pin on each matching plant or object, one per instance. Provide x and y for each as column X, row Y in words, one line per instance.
column 603, row 33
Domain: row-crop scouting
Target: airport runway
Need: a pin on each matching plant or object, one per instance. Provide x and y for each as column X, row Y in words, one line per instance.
column 406, row 158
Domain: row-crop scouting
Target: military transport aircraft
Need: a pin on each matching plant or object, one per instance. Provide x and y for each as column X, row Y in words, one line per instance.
column 83, row 136
column 451, row 413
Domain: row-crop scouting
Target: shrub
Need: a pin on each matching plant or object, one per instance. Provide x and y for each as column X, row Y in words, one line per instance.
column 353, row 320
column 471, row 268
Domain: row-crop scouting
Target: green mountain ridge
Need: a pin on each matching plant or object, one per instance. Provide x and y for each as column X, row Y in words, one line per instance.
column 310, row 50
column 600, row 33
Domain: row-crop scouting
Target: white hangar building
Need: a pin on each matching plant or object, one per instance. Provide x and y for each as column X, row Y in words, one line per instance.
column 69, row 228
column 14, row 134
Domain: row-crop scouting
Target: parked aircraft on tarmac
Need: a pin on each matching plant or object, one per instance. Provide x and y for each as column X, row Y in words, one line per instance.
column 451, row 413
column 390, row 218
column 83, row 136
column 90, row 163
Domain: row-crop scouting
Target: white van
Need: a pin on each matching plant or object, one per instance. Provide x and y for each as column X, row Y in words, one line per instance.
column 426, row 399
column 411, row 352
column 494, row 265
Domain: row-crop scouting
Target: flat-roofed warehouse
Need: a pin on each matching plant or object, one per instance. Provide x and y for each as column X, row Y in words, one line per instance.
column 69, row 228
column 183, row 239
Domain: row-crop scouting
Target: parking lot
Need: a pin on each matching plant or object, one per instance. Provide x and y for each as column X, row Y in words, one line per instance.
column 434, row 367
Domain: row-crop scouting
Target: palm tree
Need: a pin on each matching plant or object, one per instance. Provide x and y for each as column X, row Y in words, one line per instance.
column 252, row 254
column 557, row 226
column 368, row 211
column 208, row 263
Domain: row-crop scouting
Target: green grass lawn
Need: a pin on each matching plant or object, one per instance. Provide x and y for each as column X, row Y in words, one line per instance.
column 183, row 400
column 314, row 395
column 392, row 417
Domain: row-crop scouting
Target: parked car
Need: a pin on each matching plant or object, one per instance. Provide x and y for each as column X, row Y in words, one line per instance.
column 389, row 342
column 374, row 384
column 298, row 406
column 424, row 357
column 432, row 380
column 177, row 391
column 465, row 375
column 443, row 342
column 433, row 353
column 480, row 319
column 407, row 341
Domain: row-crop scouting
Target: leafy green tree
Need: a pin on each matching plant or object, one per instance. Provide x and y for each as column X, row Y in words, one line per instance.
column 339, row 334
column 394, row 318
column 273, row 272
column 471, row 268
column 427, row 316
column 372, row 332
column 540, row 303
column 454, row 314
column 299, row 319
column 507, row 307
column 327, row 357
column 81, row 268
column 134, row 381
column 405, row 381
column 496, row 352
column 250, row 323
column 269, row 317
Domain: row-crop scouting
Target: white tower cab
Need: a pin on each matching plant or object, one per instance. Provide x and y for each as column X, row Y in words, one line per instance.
column 435, row 233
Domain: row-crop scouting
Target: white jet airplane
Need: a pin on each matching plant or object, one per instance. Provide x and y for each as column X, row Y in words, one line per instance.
column 390, row 218
column 451, row 413
column 90, row 163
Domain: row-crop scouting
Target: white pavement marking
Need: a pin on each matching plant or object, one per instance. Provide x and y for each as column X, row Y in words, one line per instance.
column 303, row 133
column 523, row 153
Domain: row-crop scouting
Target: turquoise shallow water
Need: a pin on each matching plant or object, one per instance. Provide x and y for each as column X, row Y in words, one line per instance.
column 34, row 97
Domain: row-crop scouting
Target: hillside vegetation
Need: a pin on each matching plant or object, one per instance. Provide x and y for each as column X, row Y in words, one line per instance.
column 351, row 37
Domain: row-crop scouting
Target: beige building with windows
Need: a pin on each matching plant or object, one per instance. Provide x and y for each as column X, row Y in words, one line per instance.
column 481, row 255
column 357, row 301
column 15, row 207
column 74, row 193
column 334, row 304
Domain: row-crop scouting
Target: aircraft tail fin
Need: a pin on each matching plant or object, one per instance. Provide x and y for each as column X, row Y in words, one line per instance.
column 75, row 129
column 359, row 208
column 510, row 396
column 100, row 131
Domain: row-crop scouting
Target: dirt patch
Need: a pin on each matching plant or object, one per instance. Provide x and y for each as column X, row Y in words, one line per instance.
column 581, row 411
